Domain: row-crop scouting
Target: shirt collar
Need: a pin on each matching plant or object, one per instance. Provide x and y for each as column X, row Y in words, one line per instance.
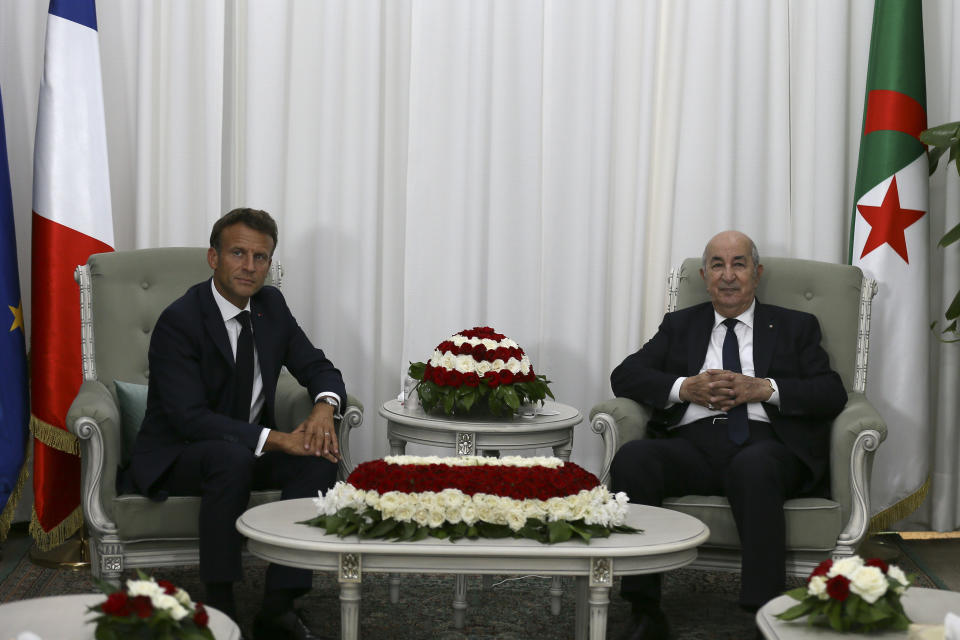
column 746, row 317
column 228, row 310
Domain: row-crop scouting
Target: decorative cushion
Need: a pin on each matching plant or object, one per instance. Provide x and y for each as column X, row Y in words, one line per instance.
column 132, row 398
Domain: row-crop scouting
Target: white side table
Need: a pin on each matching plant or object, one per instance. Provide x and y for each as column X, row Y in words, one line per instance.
column 552, row 426
column 923, row 606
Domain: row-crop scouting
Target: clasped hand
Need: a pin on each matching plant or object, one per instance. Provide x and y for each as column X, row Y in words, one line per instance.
column 315, row 436
column 722, row 390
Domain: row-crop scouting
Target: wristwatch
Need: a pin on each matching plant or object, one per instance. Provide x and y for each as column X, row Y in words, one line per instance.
column 330, row 400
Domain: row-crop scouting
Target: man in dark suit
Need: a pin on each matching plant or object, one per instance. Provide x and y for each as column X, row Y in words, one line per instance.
column 742, row 396
column 215, row 356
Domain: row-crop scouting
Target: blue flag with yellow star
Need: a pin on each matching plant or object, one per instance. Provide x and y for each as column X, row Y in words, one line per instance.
column 14, row 409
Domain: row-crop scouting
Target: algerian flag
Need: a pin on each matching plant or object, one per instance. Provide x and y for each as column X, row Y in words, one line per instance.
column 889, row 239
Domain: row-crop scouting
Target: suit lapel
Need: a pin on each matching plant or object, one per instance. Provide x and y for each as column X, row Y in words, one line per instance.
column 699, row 338
column 764, row 337
column 213, row 321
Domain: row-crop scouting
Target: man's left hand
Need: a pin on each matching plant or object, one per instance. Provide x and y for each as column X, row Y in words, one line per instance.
column 730, row 389
column 319, row 433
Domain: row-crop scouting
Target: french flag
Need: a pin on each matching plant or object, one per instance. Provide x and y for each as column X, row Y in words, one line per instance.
column 72, row 219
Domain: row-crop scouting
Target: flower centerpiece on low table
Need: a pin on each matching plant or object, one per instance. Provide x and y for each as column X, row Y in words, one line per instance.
column 478, row 370
column 852, row 594
column 149, row 609
column 410, row 498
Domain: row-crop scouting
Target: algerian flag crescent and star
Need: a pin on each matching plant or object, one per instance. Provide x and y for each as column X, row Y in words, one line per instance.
column 889, row 240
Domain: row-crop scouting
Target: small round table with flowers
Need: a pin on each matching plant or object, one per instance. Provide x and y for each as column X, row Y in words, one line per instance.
column 551, row 426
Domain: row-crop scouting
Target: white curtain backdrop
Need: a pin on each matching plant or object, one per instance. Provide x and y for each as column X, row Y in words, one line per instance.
column 535, row 166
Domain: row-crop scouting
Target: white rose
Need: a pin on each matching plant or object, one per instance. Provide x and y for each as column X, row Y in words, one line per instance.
column 483, row 367
column 458, row 339
column 513, row 366
column 846, row 567
column 525, row 365
column 448, row 361
column 818, row 587
column 473, row 342
column 508, row 343
column 183, row 598
column 869, row 583
column 896, row 574
column 465, row 364
column 405, row 511
column 516, row 519
column 389, row 503
column 421, row 516
column 436, row 517
column 373, row 500
column 489, row 344
column 497, row 365
column 169, row 604
column 468, row 513
column 435, row 358
column 147, row 588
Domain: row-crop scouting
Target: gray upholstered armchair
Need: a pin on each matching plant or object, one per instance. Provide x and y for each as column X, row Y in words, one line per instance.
column 840, row 297
column 121, row 296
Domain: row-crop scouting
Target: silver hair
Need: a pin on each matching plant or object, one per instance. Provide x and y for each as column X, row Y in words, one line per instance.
column 754, row 255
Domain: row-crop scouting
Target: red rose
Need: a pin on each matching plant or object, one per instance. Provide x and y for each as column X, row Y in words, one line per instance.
column 141, row 606
column 446, row 345
column 492, row 379
column 479, row 352
column 454, row 378
column 878, row 563
column 838, row 587
column 506, row 376
column 117, row 604
column 465, row 349
column 471, row 379
column 167, row 587
column 200, row 617
column 821, row 569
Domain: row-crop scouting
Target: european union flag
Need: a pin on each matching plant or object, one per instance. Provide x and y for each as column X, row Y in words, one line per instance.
column 14, row 399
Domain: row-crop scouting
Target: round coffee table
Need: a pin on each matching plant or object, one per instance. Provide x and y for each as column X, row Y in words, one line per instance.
column 552, row 426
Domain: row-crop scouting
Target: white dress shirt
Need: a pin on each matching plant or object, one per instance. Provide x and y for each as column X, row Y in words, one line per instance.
column 229, row 311
column 714, row 360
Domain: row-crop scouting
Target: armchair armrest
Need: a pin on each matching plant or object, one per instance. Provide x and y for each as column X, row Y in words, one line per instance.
column 293, row 405
column 855, row 436
column 94, row 419
column 616, row 421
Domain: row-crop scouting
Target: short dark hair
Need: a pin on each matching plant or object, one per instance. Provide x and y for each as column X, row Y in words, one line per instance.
column 256, row 219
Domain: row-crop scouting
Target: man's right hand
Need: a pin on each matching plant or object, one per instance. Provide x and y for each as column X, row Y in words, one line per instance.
column 292, row 443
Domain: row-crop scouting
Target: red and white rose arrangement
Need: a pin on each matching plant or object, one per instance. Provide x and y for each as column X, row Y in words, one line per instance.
column 478, row 369
column 149, row 609
column 410, row 498
column 852, row 594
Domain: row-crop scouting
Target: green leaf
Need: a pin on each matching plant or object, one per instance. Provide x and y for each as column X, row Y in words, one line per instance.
column 382, row 528
column 416, row 370
column 950, row 237
column 934, row 158
column 797, row 610
column 944, row 135
column 559, row 531
column 448, row 401
column 953, row 311
column 510, row 397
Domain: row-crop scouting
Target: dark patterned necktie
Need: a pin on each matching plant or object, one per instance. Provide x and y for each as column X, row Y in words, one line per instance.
column 244, row 391
column 738, row 430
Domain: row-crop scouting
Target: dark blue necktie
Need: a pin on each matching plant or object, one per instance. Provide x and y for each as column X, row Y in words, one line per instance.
column 738, row 430
column 244, row 390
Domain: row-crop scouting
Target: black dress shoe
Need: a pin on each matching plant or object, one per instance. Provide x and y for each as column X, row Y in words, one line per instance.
column 649, row 624
column 287, row 626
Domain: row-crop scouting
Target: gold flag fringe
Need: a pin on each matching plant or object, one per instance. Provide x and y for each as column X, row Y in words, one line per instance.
column 55, row 437
column 884, row 519
column 46, row 540
column 6, row 517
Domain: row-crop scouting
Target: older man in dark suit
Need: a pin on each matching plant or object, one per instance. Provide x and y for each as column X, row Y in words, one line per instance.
column 742, row 396
column 215, row 356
